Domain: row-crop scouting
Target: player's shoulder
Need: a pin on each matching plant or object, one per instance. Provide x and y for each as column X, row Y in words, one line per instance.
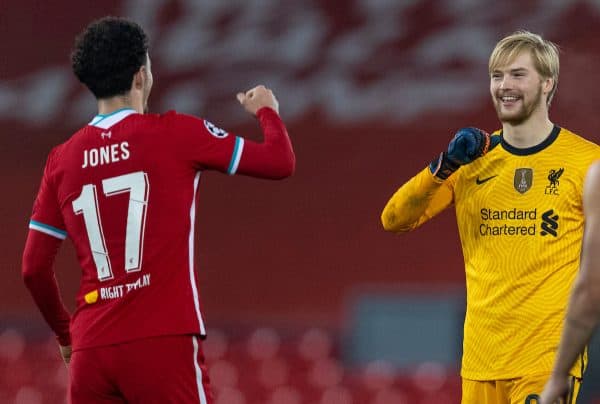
column 78, row 137
column 594, row 172
column 172, row 116
column 154, row 119
column 575, row 151
column 169, row 124
column 576, row 139
column 54, row 158
column 58, row 151
column 196, row 125
column 178, row 118
column 592, row 186
column 576, row 148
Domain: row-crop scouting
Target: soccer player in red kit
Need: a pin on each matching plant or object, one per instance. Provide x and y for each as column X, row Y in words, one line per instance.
column 123, row 189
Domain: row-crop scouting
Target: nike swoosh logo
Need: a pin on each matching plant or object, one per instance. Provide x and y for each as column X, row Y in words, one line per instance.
column 479, row 182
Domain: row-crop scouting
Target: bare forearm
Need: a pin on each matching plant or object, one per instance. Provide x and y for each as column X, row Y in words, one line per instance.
column 583, row 313
column 582, row 318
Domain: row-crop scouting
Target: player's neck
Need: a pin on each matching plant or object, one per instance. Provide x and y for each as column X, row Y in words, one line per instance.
column 112, row 104
column 529, row 133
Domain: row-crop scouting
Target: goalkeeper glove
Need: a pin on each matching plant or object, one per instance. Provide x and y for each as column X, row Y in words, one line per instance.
column 467, row 145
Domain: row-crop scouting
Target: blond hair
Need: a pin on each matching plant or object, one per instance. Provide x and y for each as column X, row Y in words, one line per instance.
column 543, row 52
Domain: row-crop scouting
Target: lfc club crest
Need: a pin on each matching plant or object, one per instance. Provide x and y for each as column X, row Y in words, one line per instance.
column 523, row 179
column 553, row 179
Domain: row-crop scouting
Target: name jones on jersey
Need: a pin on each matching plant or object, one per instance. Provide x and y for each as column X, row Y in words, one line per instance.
column 105, row 154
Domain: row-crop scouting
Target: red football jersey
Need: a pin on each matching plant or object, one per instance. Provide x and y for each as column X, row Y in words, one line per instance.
column 124, row 188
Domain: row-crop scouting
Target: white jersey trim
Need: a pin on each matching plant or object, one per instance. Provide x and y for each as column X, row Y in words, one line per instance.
column 199, row 376
column 105, row 121
column 236, row 156
column 191, row 255
column 47, row 229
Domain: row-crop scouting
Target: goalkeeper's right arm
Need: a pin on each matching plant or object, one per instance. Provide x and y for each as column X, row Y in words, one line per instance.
column 417, row 201
column 424, row 196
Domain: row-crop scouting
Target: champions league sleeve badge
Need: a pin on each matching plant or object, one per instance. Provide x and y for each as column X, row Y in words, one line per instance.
column 215, row 131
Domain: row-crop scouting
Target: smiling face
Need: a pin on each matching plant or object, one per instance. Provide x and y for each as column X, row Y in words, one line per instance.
column 518, row 90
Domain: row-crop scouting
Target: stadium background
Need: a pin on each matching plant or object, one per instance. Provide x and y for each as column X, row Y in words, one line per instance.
column 307, row 298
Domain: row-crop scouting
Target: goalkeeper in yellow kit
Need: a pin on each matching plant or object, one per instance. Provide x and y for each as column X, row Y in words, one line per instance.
column 518, row 200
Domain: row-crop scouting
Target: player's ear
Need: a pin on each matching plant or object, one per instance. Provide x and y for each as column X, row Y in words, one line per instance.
column 138, row 79
column 548, row 85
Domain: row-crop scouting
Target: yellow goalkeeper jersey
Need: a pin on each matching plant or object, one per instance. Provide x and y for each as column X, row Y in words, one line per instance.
column 520, row 218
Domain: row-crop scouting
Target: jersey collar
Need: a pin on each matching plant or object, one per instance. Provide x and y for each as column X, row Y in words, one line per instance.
column 534, row 149
column 105, row 121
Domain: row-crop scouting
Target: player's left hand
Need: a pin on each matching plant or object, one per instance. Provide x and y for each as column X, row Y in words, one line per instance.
column 65, row 352
column 555, row 391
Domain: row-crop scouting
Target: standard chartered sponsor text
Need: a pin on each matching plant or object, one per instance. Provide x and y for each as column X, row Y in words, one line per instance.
column 525, row 228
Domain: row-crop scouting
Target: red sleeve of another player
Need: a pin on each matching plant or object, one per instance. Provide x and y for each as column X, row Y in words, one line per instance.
column 200, row 142
column 210, row 147
column 274, row 157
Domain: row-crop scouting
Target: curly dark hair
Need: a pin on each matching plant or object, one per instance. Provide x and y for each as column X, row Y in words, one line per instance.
column 107, row 54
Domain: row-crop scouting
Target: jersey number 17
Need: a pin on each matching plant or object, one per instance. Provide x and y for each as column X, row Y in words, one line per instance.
column 137, row 185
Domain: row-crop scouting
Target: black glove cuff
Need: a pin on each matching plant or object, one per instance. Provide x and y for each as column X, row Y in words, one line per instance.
column 442, row 167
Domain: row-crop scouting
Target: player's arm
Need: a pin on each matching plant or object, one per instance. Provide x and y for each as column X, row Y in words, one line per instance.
column 274, row 157
column 38, row 275
column 583, row 312
column 431, row 191
column 417, row 201
column 206, row 146
column 43, row 241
